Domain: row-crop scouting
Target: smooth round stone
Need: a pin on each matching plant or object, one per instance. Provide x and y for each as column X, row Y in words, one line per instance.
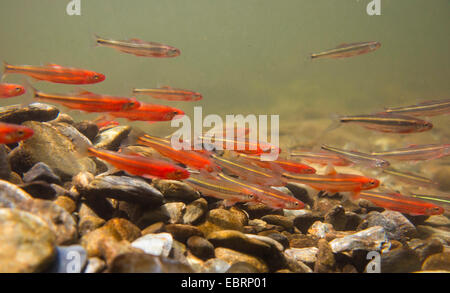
column 182, row 232
column 195, row 211
column 94, row 265
column 111, row 139
column 399, row 260
column 27, row 244
column 146, row 263
column 239, row 241
column 425, row 248
column 304, row 221
column 215, row 265
column 41, row 172
column 221, row 219
column 242, row 268
column 69, row 259
column 438, row 261
column 171, row 212
column 200, row 247
column 176, row 189
column 155, row 244
column 17, row 114
column 157, row 227
column 279, row 220
column 326, row 262
column 11, row 195
column 277, row 236
column 66, row 203
column 232, row 257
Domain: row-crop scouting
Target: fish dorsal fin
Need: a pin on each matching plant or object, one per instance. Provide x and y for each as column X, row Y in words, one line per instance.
column 330, row 170
column 136, row 41
column 82, row 92
column 167, row 87
column 53, row 65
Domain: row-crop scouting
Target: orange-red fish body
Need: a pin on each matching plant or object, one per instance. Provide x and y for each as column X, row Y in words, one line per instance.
column 281, row 165
column 401, row 203
column 12, row 133
column 170, row 94
column 90, row 102
column 149, row 112
column 243, row 146
column 56, row 73
column 189, row 158
column 141, row 166
column 9, row 90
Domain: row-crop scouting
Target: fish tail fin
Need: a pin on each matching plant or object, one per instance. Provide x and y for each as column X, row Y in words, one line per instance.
column 32, row 89
column 95, row 40
column 5, row 69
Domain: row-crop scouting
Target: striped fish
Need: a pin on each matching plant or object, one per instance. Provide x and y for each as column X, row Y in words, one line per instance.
column 358, row 157
column 348, row 50
column 416, row 152
column 427, row 109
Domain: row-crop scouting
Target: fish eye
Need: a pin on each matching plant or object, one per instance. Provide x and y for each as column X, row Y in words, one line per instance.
column 18, row 89
column 96, row 77
column 20, row 133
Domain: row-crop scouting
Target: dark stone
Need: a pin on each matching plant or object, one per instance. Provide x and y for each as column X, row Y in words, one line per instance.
column 400, row 260
column 39, row 189
column 200, row 247
column 17, row 114
column 41, row 172
column 303, row 222
column 88, row 128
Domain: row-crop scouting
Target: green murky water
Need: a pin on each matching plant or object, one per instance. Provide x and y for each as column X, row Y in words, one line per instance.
column 247, row 56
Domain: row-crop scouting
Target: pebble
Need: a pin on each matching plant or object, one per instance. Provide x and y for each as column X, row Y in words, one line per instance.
column 428, row 231
column 17, row 114
column 220, row 219
column 399, row 260
column 321, row 230
column 200, row 247
column 182, row 232
column 195, row 211
column 336, row 217
column 238, row 241
column 303, row 222
column 87, row 128
column 27, row 244
column 369, row 239
column 69, row 259
column 438, row 261
column 111, row 139
column 397, row 226
column 425, row 248
column 274, row 258
column 256, row 211
column 302, row 241
column 66, row 203
column 157, row 227
column 11, row 195
column 215, row 265
column 94, row 265
column 285, row 222
column 277, row 236
column 5, row 170
column 124, row 188
column 146, row 263
column 242, row 268
column 171, row 213
column 326, row 263
column 49, row 146
column 307, row 255
column 233, row 256
column 438, row 221
column 39, row 189
column 155, row 244
column 176, row 190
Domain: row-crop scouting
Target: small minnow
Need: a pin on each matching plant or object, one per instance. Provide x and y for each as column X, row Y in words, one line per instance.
column 149, row 112
column 348, row 50
column 427, row 109
column 416, row 152
column 170, row 94
column 385, row 122
column 411, row 178
column 241, row 146
column 358, row 157
column 228, row 191
column 12, row 133
column 250, row 173
column 334, row 182
column 401, row 203
column 56, row 73
column 271, row 197
column 189, row 158
column 321, row 158
column 90, row 102
column 139, row 165
column 139, row 47
column 9, row 90
column 286, row 165
column 443, row 201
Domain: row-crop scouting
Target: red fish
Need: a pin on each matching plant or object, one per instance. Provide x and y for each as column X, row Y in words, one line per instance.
column 12, row 133
column 242, row 146
column 90, row 102
column 56, row 73
column 170, row 94
column 321, row 158
column 189, row 158
column 141, row 166
column 149, row 112
column 401, row 203
column 334, row 182
column 9, row 90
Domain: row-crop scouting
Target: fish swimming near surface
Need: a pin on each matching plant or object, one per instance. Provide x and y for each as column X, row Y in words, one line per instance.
column 139, row 165
column 273, row 198
column 358, row 157
column 149, row 112
column 347, row 50
column 90, row 102
column 416, row 152
column 426, row 109
column 170, row 94
column 385, row 122
column 400, row 203
column 9, row 90
column 55, row 73
column 139, row 47
column 12, row 133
